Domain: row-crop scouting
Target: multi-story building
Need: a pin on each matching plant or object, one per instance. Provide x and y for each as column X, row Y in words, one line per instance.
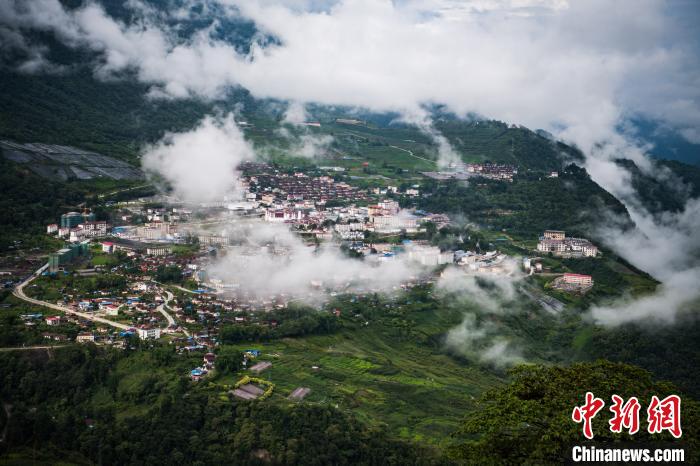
column 85, row 338
column 94, row 228
column 554, row 234
column 557, row 243
column 73, row 219
column 577, row 279
column 429, row 255
column 149, row 333
column 159, row 251
column 53, row 320
column 395, row 223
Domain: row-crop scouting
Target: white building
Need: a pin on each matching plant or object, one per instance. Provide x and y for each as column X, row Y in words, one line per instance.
column 577, row 279
column 429, row 255
column 395, row 223
column 149, row 333
column 85, row 338
column 159, row 251
column 283, row 215
column 98, row 228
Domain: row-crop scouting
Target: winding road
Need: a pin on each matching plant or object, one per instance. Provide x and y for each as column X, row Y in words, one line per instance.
column 410, row 152
column 171, row 320
column 19, row 292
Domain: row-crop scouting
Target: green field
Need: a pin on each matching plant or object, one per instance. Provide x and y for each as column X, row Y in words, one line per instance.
column 382, row 372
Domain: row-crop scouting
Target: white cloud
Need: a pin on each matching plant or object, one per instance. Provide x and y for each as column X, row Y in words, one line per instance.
column 200, row 164
column 667, row 246
column 576, row 69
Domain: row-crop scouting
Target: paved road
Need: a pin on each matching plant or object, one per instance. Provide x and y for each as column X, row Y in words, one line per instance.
column 31, row 348
column 19, row 292
column 161, row 308
column 410, row 152
column 178, row 287
column 171, row 320
column 123, row 190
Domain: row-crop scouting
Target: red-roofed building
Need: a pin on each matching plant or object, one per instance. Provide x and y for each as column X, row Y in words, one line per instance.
column 577, row 279
column 53, row 320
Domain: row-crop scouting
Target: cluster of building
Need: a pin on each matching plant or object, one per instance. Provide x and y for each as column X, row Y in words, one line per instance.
column 64, row 256
column 559, row 244
column 465, row 171
column 493, row 171
column 491, row 262
column 77, row 226
column 208, row 362
column 299, row 186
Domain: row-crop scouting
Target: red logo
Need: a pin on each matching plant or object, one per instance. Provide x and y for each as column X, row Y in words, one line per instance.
column 661, row 415
column 625, row 415
column 665, row 415
column 587, row 412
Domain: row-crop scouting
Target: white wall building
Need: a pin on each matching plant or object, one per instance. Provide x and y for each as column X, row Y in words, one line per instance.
column 149, row 333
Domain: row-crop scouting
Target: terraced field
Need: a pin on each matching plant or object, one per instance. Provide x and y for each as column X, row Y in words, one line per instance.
column 63, row 162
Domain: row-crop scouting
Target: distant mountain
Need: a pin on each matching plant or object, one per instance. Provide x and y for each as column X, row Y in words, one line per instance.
column 668, row 145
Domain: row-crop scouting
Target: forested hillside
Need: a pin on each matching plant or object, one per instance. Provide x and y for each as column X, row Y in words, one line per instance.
column 531, row 204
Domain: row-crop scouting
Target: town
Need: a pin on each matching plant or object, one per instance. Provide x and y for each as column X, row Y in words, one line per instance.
column 150, row 269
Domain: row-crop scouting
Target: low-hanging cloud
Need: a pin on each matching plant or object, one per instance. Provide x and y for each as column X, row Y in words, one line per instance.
column 667, row 246
column 300, row 270
column 575, row 68
column 303, row 141
column 578, row 65
column 201, row 164
column 269, row 260
column 483, row 295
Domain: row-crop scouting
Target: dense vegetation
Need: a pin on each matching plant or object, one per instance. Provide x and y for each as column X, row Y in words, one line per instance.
column 498, row 142
column 292, row 322
column 529, row 421
column 669, row 189
column 137, row 408
column 529, row 205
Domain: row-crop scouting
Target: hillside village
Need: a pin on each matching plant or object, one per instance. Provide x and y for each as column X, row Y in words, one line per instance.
column 151, row 275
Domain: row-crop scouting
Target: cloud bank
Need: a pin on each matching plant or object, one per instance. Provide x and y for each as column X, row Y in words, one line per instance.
column 200, row 165
column 578, row 69
column 483, row 295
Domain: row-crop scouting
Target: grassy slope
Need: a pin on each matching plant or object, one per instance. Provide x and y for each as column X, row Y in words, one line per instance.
column 382, row 374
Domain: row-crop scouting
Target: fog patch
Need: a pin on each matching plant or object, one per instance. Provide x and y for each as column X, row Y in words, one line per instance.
column 200, row 165
column 480, row 336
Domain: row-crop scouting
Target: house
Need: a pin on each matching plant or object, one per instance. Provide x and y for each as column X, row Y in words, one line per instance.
column 149, row 333
column 85, row 338
column 111, row 309
column 209, row 359
column 108, row 247
column 577, row 279
column 54, row 336
column 52, row 228
column 53, row 320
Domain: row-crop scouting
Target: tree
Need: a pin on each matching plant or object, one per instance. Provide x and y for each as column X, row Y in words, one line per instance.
column 529, row 420
column 228, row 360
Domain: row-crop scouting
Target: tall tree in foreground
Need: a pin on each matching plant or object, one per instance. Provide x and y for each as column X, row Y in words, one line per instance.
column 529, row 420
